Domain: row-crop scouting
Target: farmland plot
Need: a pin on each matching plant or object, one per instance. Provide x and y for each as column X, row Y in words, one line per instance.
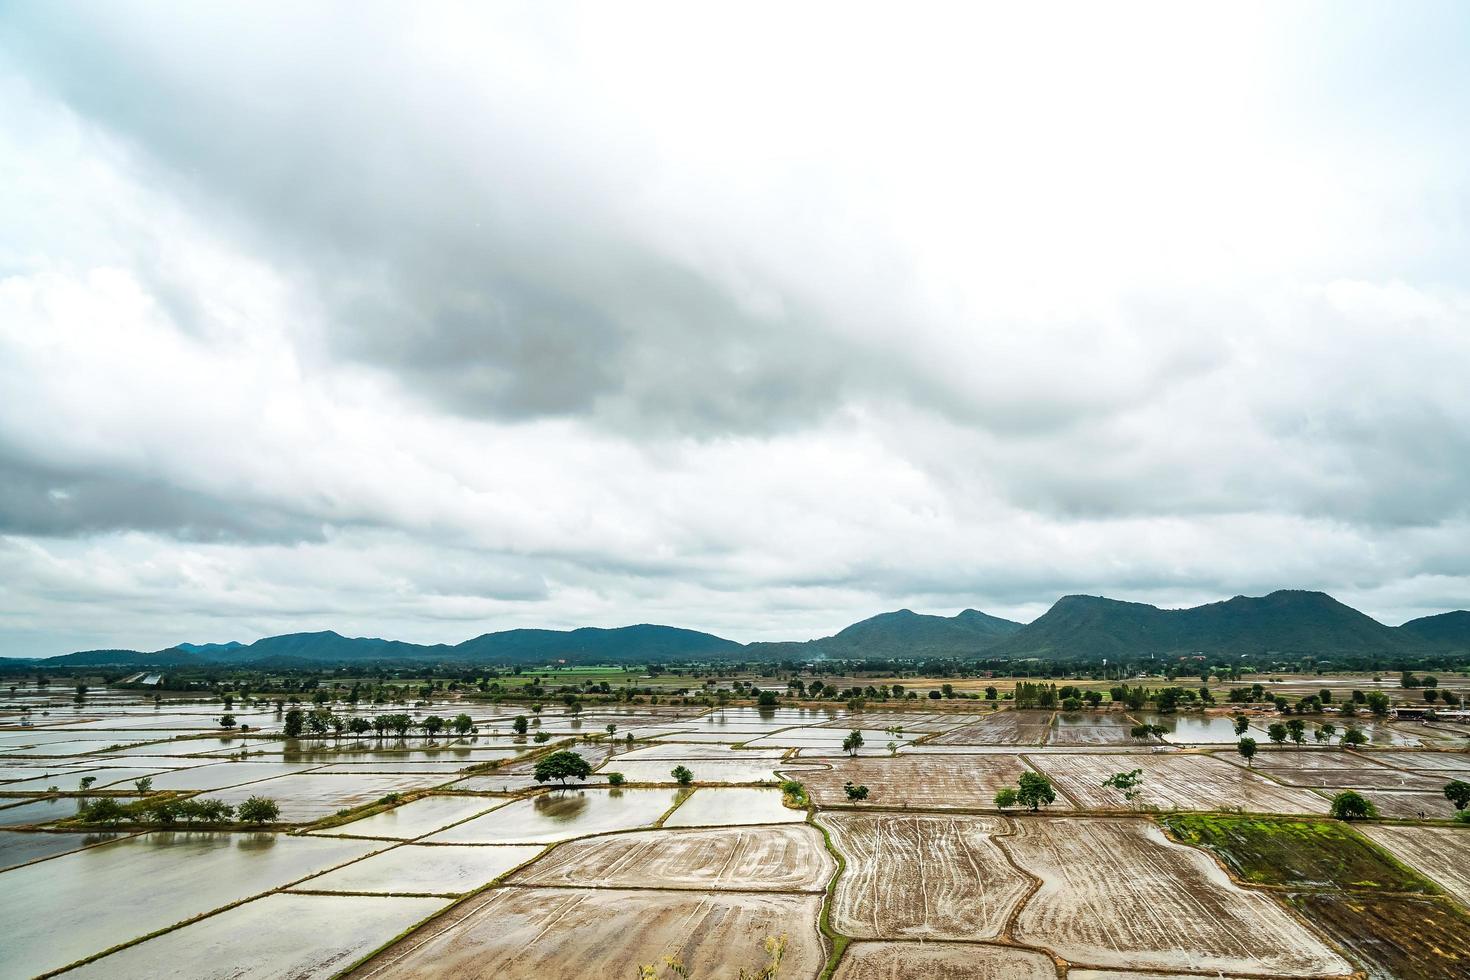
column 561, row 815
column 276, row 936
column 721, row 807
column 1339, row 779
column 1091, row 728
column 1270, row 758
column 1174, row 781
column 1395, row 938
column 422, row 869
column 937, row 781
column 1117, row 893
column 786, row 858
column 942, row 961
column 308, row 796
column 1001, row 728
column 1409, row 806
column 415, row 819
column 718, row 753
column 574, row 933
column 1441, row 854
column 922, row 876
column 705, row 770
column 1446, row 762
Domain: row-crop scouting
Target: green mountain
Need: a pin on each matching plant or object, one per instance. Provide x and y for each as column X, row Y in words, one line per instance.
column 904, row 633
column 1283, row 622
column 1448, row 631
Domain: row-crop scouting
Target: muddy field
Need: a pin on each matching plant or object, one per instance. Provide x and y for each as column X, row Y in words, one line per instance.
column 1173, row 781
column 937, row 781
column 1394, row 938
column 1091, row 728
column 922, row 877
column 1340, row 779
column 1441, row 854
column 1117, row 893
column 1409, row 806
column 575, row 933
column 942, row 961
column 787, row 858
column 1001, row 728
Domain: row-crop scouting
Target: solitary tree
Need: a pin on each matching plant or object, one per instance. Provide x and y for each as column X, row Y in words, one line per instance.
column 1297, row 729
column 1247, row 749
column 855, row 792
column 852, row 742
column 1350, row 806
column 520, row 725
column 1242, row 724
column 1035, row 791
column 1354, row 737
column 562, row 765
column 227, row 721
column 615, row 779
column 1127, row 783
column 1378, row 703
column 432, row 726
column 145, row 784
column 295, row 723
column 462, row 724
column 1278, row 732
column 1457, row 791
column 259, row 810
column 682, row 775
column 767, row 699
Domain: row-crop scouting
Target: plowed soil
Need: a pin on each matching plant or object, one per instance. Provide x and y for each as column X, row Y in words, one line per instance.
column 942, row 961
column 922, row 876
column 1174, row 781
column 936, row 781
column 1394, row 938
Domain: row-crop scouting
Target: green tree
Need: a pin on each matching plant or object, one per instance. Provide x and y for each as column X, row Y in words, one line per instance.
column 1006, row 797
column 855, row 792
column 1457, row 791
column 295, row 722
column 227, row 721
column 520, row 725
column 432, row 726
column 259, row 810
column 1297, row 729
column 462, row 724
column 852, row 742
column 1242, row 724
column 1247, row 749
column 1350, row 806
column 359, row 725
column 991, row 694
column 562, row 765
column 1325, row 732
column 1378, row 703
column 1035, row 791
column 1354, row 737
column 615, row 779
column 1128, row 783
column 144, row 785
column 1278, row 732
column 768, row 699
column 611, row 730
column 682, row 775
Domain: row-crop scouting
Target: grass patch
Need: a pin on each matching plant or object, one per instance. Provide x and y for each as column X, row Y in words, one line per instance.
column 1296, row 853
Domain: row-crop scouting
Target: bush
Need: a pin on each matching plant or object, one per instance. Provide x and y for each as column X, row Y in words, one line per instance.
column 795, row 790
column 615, row 779
column 767, row 699
column 856, row 792
column 1351, row 806
column 259, row 810
column 682, row 775
column 1006, row 797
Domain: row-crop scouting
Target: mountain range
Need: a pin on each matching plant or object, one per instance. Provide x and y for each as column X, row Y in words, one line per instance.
column 1285, row 622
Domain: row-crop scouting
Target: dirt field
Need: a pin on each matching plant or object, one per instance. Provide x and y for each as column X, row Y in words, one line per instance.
column 1272, row 759
column 1299, row 853
column 1441, row 854
column 1395, row 938
column 1001, row 728
column 1091, row 728
column 1173, row 781
column 922, row 877
column 942, row 961
column 937, row 781
column 1408, row 806
column 1117, row 893
column 1338, row 779
column 787, row 858
column 1445, row 762
column 575, row 933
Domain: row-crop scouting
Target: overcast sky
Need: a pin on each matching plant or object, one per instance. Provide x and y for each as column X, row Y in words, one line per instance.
column 422, row 321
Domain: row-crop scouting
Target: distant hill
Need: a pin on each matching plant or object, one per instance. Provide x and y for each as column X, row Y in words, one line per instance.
column 1282, row 622
column 904, row 633
column 1287, row 622
column 1449, row 631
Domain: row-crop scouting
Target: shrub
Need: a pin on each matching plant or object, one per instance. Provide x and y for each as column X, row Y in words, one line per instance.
column 1351, row 806
column 682, row 775
column 1006, row 797
column 259, row 810
column 615, row 779
column 855, row 792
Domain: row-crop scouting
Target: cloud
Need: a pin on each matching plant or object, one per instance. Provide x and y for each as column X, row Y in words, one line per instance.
column 423, row 323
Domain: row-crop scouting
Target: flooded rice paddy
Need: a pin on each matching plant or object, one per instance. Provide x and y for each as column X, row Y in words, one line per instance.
column 378, row 835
